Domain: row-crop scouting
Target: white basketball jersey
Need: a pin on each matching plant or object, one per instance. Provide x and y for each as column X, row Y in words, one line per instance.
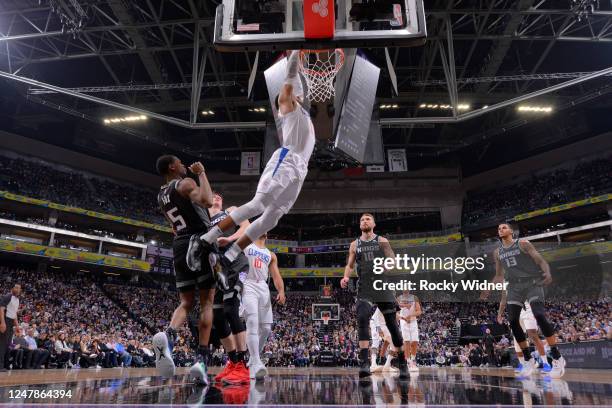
column 407, row 304
column 298, row 133
column 259, row 261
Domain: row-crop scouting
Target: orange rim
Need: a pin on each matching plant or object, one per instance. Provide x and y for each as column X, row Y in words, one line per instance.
column 308, row 71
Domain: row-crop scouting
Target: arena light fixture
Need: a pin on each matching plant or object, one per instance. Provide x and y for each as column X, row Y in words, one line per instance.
column 444, row 106
column 535, row 109
column 389, row 106
column 208, row 112
column 260, row 110
column 123, row 119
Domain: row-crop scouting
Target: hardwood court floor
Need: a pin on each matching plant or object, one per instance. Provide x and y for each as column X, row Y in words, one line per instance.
column 311, row 386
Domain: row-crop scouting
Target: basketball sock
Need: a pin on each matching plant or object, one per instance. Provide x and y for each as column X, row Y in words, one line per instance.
column 240, row 355
column 388, row 362
column 363, row 355
column 373, row 358
column 527, row 353
column 232, row 253
column 212, row 235
column 233, row 356
column 555, row 353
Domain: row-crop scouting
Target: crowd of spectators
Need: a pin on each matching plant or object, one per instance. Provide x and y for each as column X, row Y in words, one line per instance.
column 38, row 179
column 71, row 319
column 560, row 186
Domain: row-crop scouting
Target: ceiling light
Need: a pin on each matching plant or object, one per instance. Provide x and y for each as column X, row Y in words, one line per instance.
column 119, row 119
column 536, row 109
column 207, row 112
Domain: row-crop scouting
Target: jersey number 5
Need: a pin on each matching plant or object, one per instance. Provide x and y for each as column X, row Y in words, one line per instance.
column 177, row 220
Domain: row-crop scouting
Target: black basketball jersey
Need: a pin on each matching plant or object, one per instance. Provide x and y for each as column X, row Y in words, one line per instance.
column 517, row 263
column 186, row 217
column 365, row 252
column 217, row 218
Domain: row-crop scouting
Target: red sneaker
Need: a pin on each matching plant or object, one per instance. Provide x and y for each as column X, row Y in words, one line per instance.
column 239, row 375
column 229, row 367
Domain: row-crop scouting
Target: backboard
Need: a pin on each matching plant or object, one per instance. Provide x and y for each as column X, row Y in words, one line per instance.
column 245, row 25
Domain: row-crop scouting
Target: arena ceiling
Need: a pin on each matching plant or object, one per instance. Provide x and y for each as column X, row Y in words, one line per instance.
column 141, row 53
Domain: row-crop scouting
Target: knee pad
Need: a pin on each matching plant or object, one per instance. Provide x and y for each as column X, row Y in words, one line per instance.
column 231, row 309
column 396, row 336
column 220, row 324
column 540, row 315
column 364, row 312
column 249, row 210
column 514, row 315
column 266, row 222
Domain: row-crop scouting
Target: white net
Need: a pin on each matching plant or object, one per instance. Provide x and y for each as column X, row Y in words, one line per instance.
column 319, row 68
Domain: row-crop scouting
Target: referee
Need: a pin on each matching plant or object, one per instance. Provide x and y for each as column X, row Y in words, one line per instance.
column 9, row 305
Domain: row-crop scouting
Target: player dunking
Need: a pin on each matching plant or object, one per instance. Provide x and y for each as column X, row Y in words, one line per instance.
column 530, row 326
column 362, row 252
column 184, row 204
column 410, row 311
column 257, row 303
column 282, row 179
column 226, row 305
column 526, row 273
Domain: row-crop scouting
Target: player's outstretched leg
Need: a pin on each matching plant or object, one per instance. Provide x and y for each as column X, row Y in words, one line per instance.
column 558, row 364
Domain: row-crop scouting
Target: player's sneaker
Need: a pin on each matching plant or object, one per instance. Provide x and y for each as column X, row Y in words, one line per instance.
column 412, row 367
column 403, row 366
column 558, row 368
column 229, row 367
column 527, row 369
column 198, row 373
column 375, row 368
column 258, row 372
column 364, row 370
column 546, row 368
column 163, row 355
column 518, row 368
column 221, row 267
column 239, row 375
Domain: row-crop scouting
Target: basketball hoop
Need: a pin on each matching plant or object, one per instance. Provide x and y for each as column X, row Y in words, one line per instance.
column 320, row 68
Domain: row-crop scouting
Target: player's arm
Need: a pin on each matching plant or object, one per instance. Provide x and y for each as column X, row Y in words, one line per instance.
column 201, row 195
column 417, row 307
column 499, row 274
column 350, row 265
column 2, row 321
column 277, row 279
column 528, row 247
column 502, row 307
column 386, row 247
column 285, row 97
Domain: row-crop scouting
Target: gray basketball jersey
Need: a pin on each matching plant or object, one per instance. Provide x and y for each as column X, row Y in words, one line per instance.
column 517, row 263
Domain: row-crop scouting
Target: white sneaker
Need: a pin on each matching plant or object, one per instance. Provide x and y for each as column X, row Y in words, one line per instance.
column 527, row 369
column 375, row 368
column 163, row 357
column 558, row 368
column 258, row 372
column 412, row 367
column 198, row 373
